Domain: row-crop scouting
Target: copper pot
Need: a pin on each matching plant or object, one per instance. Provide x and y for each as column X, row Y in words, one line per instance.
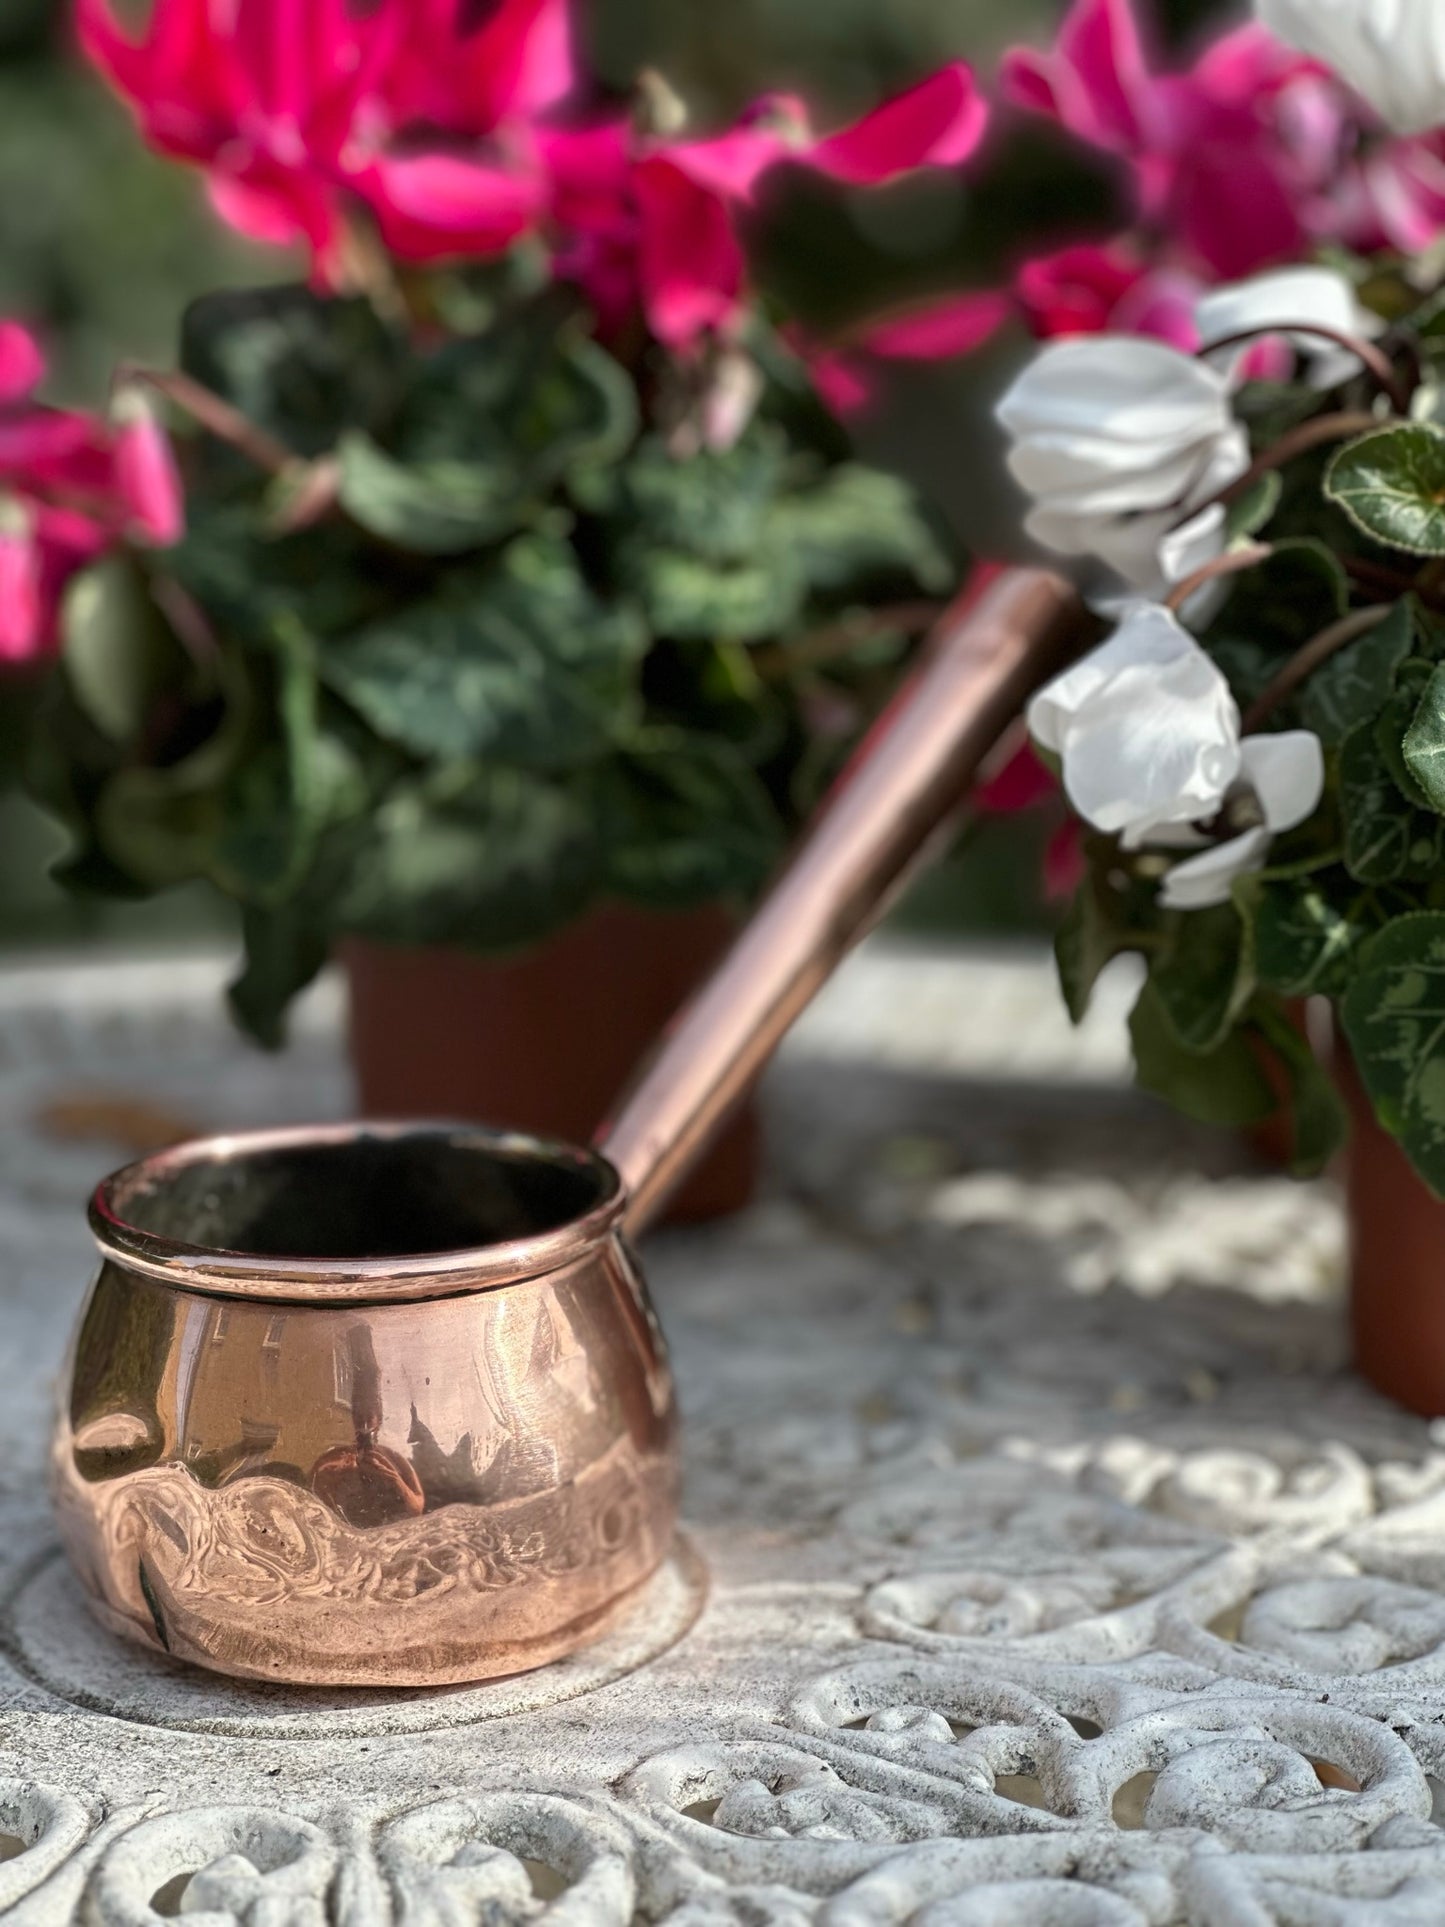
column 386, row 1404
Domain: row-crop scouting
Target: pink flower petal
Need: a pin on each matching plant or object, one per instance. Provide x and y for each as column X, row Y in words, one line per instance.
column 1022, row 784
column 22, row 611
column 1077, row 290
column 691, row 263
column 45, row 446
column 526, row 46
column 1096, row 82
column 434, row 207
column 1162, row 305
column 466, row 69
column 69, row 539
column 22, row 363
column 1234, row 211
column 938, row 123
column 259, row 214
column 147, row 479
column 774, row 129
column 938, row 330
column 840, row 378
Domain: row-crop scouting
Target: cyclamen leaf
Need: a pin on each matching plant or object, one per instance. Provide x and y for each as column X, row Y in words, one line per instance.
column 1084, row 945
column 1308, row 932
column 1391, row 484
column 521, row 662
column 856, row 524
column 1316, row 1110
column 1223, row 1086
column 683, row 819
column 1354, row 686
column 1394, row 721
column 432, row 508
column 303, row 365
column 117, row 649
column 1394, row 1017
column 286, row 949
column 1386, row 836
column 1424, row 742
column 713, row 505
column 692, row 600
column 1205, row 977
column 1110, row 915
column 511, row 858
column 1254, row 509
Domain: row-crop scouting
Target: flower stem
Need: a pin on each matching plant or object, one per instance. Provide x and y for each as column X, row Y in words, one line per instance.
column 1318, row 650
column 1375, row 360
column 220, row 417
column 1232, row 562
column 838, row 639
column 1299, row 441
column 1375, row 575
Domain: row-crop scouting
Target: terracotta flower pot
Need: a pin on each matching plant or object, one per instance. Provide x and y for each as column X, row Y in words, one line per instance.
column 1397, row 1261
column 543, row 1041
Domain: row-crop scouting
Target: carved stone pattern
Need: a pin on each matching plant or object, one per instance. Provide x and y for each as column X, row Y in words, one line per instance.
column 1060, row 1577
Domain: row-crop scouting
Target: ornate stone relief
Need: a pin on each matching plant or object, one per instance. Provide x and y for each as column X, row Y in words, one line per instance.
column 1013, row 1597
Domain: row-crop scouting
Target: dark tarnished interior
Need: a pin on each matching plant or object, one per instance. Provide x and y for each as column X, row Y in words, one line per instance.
column 373, row 1197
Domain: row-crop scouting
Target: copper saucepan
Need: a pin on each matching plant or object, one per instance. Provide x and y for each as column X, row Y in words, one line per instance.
column 387, row 1405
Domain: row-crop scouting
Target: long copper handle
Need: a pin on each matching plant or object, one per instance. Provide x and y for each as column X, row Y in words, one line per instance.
column 904, row 784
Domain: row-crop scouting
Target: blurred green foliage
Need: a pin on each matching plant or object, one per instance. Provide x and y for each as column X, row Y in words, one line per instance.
column 102, row 245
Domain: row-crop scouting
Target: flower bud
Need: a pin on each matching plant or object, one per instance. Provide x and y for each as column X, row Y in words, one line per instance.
column 22, row 602
column 146, row 475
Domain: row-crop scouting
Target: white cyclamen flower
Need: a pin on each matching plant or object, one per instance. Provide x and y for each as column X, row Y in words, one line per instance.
column 1148, row 737
column 1123, row 442
column 1144, row 727
column 1391, row 51
column 1284, row 777
column 1270, row 303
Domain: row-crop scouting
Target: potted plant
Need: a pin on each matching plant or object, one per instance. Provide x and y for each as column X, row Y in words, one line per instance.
column 510, row 591
column 1235, row 429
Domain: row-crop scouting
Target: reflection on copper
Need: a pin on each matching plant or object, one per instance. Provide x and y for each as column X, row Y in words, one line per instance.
column 440, row 1465
column 366, row 1484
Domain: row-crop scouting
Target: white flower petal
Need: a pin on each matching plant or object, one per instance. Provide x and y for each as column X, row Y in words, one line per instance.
column 1126, row 386
column 1147, row 637
column 1192, row 544
column 1145, row 727
column 1119, row 439
column 1391, row 51
column 1092, row 478
column 1201, row 882
column 1319, row 297
column 1287, row 774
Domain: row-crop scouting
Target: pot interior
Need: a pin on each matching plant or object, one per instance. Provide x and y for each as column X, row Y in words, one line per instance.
column 358, row 1194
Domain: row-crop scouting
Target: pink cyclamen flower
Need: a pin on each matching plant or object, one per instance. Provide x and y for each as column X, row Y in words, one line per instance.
column 649, row 224
column 1209, row 159
column 295, row 107
column 70, row 489
column 148, row 482
column 1088, row 290
column 1247, row 159
column 22, row 363
column 940, row 329
column 22, row 610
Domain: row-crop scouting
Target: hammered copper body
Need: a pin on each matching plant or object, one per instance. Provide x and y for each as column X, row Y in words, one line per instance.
column 386, row 1405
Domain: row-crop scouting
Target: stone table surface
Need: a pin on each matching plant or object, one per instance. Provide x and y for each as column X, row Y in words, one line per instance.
column 1043, row 1563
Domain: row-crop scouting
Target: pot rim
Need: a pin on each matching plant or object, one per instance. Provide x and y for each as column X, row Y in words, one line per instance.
column 218, row 1271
